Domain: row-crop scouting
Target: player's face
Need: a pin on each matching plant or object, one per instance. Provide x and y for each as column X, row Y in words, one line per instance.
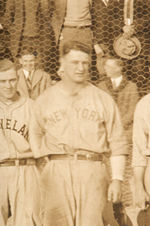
column 28, row 62
column 8, row 84
column 112, row 69
column 75, row 66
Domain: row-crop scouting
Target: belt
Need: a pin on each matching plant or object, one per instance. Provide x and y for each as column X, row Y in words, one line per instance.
column 90, row 157
column 79, row 27
column 18, row 162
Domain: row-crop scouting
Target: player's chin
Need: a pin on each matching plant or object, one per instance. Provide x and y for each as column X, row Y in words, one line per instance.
column 80, row 79
column 10, row 95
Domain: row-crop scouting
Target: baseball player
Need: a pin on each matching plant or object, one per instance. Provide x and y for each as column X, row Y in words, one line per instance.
column 141, row 151
column 18, row 173
column 75, row 125
column 125, row 94
column 32, row 81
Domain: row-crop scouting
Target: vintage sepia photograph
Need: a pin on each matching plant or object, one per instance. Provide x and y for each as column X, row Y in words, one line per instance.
column 74, row 112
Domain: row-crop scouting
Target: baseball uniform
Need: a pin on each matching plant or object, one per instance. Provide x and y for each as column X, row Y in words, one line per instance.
column 86, row 123
column 141, row 139
column 18, row 175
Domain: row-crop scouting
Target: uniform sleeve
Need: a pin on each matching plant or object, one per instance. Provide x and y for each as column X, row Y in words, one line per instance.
column 116, row 138
column 140, row 137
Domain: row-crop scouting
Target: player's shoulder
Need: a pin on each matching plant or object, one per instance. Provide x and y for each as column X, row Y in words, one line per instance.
column 27, row 100
column 101, row 84
column 100, row 92
column 24, row 102
column 101, row 95
column 144, row 100
column 143, row 105
column 46, row 95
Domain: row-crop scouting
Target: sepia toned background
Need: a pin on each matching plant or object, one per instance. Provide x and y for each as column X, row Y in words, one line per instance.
column 107, row 22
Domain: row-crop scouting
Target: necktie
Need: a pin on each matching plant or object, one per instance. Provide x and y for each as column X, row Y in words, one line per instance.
column 29, row 82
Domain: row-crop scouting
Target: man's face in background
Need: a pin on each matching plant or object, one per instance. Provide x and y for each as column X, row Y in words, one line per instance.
column 28, row 62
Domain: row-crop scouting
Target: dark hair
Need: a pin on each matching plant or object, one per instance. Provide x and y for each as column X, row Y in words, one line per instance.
column 6, row 65
column 27, row 51
column 117, row 60
column 74, row 45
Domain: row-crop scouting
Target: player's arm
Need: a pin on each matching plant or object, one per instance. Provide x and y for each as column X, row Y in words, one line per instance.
column 119, row 149
column 140, row 193
column 139, row 160
column 118, row 168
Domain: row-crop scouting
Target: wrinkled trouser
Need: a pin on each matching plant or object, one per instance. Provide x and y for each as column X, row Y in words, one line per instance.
column 83, row 35
column 19, row 195
column 74, row 193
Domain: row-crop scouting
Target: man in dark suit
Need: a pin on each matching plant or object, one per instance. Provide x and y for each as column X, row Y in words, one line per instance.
column 29, row 25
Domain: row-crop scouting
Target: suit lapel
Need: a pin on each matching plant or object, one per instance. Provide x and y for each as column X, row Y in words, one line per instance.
column 37, row 76
column 22, row 85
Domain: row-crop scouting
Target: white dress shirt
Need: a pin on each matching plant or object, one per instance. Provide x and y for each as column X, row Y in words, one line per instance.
column 26, row 73
column 116, row 81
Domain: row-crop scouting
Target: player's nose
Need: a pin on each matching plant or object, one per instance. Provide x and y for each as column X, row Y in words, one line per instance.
column 80, row 66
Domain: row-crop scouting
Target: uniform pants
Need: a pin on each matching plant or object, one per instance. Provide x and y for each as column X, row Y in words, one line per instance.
column 19, row 192
column 74, row 193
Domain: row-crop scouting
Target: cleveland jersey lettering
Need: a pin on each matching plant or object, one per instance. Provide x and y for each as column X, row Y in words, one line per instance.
column 11, row 124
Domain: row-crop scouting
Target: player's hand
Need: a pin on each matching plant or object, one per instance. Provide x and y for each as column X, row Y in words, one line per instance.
column 98, row 50
column 1, row 27
column 141, row 197
column 114, row 191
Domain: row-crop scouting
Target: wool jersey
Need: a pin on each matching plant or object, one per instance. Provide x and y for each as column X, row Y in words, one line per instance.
column 141, row 133
column 86, row 121
column 14, row 128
